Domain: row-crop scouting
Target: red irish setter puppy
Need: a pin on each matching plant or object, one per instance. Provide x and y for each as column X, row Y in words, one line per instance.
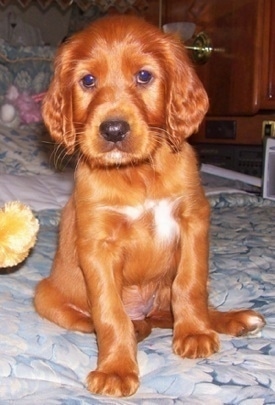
column 133, row 246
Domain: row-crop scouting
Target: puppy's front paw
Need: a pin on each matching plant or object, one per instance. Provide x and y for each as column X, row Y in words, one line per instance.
column 113, row 384
column 196, row 345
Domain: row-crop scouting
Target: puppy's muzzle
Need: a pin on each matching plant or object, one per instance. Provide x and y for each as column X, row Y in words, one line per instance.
column 114, row 130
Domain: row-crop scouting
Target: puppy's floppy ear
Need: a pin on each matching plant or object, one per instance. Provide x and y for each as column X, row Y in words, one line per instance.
column 57, row 110
column 187, row 99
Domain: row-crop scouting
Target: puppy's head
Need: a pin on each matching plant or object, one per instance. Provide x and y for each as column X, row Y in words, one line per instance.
column 121, row 89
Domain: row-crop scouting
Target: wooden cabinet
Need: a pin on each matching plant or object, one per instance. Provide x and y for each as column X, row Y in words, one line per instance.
column 240, row 74
column 268, row 84
column 150, row 11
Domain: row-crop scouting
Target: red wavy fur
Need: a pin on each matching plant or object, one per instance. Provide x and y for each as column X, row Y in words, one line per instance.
column 133, row 244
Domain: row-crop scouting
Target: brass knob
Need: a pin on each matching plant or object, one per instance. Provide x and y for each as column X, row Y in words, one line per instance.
column 201, row 48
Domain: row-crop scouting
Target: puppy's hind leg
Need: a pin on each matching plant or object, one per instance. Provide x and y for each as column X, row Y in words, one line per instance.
column 158, row 319
column 52, row 305
column 142, row 329
column 236, row 323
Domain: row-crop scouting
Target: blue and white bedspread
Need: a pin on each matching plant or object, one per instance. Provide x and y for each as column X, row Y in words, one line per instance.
column 41, row 363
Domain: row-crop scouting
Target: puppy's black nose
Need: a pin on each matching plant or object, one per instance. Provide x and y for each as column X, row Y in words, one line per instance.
column 114, row 130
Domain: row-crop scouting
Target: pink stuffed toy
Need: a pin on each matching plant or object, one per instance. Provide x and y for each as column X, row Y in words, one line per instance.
column 27, row 106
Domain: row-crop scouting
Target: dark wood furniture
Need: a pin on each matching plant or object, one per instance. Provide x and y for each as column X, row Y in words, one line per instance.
column 240, row 76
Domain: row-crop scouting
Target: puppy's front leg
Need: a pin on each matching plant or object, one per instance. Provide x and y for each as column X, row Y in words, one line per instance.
column 117, row 370
column 193, row 336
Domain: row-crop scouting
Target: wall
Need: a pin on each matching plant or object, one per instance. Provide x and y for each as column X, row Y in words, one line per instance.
column 52, row 22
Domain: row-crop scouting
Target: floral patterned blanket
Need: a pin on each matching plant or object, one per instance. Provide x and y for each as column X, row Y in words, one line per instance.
column 41, row 363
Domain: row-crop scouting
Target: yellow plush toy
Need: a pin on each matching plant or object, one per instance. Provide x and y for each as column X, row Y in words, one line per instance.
column 18, row 231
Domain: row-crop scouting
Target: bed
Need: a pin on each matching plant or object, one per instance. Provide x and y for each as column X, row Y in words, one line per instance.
column 40, row 363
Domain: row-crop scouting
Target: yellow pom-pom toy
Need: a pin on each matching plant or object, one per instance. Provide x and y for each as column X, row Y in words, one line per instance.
column 18, row 231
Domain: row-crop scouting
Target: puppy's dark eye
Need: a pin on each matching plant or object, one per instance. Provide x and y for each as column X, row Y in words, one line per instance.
column 144, row 77
column 88, row 81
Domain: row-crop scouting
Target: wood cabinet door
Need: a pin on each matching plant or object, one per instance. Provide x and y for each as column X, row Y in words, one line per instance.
column 268, row 85
column 233, row 74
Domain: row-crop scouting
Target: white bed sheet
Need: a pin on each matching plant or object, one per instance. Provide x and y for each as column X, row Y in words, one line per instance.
column 52, row 191
column 39, row 192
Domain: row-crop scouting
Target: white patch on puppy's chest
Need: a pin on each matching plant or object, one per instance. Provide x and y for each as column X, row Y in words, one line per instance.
column 165, row 226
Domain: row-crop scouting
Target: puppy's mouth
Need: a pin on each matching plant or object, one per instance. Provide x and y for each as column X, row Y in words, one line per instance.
column 118, row 154
column 116, row 143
